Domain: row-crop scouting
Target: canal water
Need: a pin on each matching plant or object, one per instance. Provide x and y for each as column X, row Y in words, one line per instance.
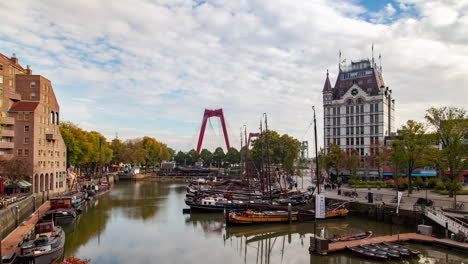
column 142, row 222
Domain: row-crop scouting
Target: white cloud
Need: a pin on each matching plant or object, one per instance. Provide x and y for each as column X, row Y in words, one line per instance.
column 160, row 63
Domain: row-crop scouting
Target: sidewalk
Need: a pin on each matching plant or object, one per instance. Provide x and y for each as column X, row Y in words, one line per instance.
column 10, row 243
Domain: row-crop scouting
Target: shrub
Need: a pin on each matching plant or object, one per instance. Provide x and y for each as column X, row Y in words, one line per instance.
column 431, row 183
column 440, row 186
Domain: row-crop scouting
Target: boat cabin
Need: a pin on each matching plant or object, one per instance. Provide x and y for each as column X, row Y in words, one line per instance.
column 61, row 202
column 44, row 228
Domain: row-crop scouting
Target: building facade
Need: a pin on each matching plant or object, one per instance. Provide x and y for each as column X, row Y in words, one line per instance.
column 30, row 132
column 359, row 111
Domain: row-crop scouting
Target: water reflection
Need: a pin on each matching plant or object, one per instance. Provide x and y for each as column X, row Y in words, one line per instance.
column 142, row 222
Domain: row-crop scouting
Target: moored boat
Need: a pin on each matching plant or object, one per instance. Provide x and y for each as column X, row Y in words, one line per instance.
column 351, row 237
column 402, row 248
column 46, row 247
column 259, row 217
column 367, row 253
column 61, row 210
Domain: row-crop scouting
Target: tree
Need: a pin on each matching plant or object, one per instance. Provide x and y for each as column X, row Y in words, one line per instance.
column 352, row 162
column 218, row 156
column 118, row 151
column 153, row 151
column 284, row 150
column 206, row 156
column 335, row 158
column 135, row 153
column 233, row 156
column 16, row 169
column 413, row 147
column 192, row 157
column 396, row 161
column 180, row 158
column 451, row 127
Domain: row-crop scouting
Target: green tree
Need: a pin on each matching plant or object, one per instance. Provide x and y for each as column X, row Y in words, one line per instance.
column 180, row 158
column 135, row 153
column 233, row 156
column 352, row 162
column 153, row 151
column 396, row 161
column 284, row 150
column 218, row 156
column 335, row 158
column 206, row 156
column 413, row 147
column 451, row 127
column 118, row 151
column 192, row 157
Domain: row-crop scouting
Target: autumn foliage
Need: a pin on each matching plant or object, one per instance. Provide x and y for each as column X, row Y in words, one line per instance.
column 73, row 260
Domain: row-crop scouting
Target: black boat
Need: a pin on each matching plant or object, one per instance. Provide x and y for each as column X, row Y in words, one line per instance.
column 402, row 248
column 46, row 247
column 214, row 204
column 61, row 216
column 367, row 253
column 377, row 250
column 403, row 253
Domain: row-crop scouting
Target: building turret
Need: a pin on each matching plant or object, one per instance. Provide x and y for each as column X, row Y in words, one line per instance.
column 327, row 91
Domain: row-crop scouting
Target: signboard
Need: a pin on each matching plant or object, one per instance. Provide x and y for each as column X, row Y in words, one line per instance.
column 320, row 206
column 399, row 195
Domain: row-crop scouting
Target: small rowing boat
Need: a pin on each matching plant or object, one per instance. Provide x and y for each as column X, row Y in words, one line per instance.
column 402, row 248
column 350, row 237
column 367, row 253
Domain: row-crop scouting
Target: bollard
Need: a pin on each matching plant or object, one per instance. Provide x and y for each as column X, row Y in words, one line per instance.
column 289, row 213
column 17, row 215
column 446, row 229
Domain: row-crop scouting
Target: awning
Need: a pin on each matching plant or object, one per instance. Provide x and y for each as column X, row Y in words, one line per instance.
column 19, row 184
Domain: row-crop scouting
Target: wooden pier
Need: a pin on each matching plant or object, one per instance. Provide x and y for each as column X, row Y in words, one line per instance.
column 407, row 237
column 11, row 242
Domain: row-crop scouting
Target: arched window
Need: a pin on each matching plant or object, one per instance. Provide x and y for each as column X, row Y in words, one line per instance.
column 56, row 118
column 359, row 100
column 349, row 102
column 52, row 117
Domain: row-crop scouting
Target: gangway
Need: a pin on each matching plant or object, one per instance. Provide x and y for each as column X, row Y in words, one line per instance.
column 452, row 224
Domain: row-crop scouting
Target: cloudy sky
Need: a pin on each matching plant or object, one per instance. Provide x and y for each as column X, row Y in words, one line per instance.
column 151, row 67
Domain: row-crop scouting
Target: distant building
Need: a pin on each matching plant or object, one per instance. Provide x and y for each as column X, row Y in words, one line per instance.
column 30, row 118
column 359, row 111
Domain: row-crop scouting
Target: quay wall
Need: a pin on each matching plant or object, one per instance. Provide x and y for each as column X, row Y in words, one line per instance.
column 387, row 214
column 11, row 216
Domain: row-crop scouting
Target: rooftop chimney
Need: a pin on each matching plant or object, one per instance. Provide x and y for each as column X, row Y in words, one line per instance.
column 28, row 70
column 14, row 59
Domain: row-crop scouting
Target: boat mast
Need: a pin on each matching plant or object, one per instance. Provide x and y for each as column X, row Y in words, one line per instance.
column 241, row 167
column 316, row 154
column 246, row 157
column 268, row 153
column 262, row 172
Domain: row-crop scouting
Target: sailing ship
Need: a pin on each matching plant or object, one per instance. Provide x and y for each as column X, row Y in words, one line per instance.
column 259, row 217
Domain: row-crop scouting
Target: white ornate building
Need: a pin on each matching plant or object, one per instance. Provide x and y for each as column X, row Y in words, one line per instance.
column 359, row 109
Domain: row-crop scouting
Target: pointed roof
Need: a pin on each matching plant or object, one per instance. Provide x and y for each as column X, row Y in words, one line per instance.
column 327, row 86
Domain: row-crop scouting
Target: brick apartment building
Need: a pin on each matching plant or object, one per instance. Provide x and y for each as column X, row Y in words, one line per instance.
column 30, row 117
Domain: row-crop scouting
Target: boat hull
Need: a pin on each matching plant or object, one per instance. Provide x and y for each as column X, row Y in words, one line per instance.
column 45, row 258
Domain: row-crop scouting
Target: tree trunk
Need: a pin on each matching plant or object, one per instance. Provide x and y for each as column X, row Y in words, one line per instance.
column 410, row 186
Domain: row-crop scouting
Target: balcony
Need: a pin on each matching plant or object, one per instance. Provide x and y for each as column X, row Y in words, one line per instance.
column 7, row 133
column 7, row 145
column 7, row 120
column 51, row 136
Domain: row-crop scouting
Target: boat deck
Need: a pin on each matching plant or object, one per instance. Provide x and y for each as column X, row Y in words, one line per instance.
column 10, row 243
column 410, row 237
